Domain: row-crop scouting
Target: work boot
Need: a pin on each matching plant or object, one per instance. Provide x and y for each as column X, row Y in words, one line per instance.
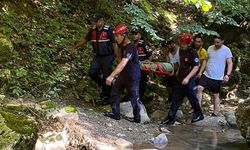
column 197, row 117
column 112, row 115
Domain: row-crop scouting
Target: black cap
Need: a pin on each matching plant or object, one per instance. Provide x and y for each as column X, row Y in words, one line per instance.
column 97, row 17
column 168, row 41
column 136, row 30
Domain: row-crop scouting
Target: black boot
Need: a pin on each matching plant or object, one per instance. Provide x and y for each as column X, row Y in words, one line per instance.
column 112, row 115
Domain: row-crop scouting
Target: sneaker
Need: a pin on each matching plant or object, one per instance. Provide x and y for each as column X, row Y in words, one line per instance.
column 197, row 117
column 132, row 119
column 112, row 115
column 213, row 115
column 168, row 122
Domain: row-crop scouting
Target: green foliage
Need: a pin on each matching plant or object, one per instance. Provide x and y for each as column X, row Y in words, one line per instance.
column 219, row 18
column 40, row 34
column 205, row 5
column 141, row 19
column 40, row 63
column 169, row 16
column 195, row 28
column 234, row 7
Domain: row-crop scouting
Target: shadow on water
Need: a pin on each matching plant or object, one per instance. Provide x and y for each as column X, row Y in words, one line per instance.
column 186, row 137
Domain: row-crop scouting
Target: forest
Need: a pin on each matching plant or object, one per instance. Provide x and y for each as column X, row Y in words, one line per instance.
column 39, row 77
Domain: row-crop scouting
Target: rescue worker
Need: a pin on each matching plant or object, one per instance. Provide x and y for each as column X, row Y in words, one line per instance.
column 185, row 86
column 143, row 53
column 126, row 75
column 173, row 58
column 103, row 43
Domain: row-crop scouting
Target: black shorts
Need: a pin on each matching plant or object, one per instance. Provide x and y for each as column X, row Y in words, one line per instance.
column 210, row 84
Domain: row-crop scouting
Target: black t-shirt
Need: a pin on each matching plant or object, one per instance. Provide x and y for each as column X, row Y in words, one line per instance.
column 143, row 50
column 132, row 70
column 101, row 40
column 188, row 59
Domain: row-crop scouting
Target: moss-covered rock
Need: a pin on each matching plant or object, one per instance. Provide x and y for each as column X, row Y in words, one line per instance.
column 6, row 48
column 48, row 105
column 243, row 118
column 8, row 137
column 70, row 109
column 18, row 132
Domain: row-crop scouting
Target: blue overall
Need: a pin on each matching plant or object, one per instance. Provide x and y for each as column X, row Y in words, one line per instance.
column 188, row 59
column 143, row 54
column 103, row 60
column 128, row 79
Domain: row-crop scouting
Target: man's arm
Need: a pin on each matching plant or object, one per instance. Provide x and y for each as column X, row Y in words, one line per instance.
column 202, row 67
column 117, row 52
column 229, row 69
column 117, row 70
column 190, row 75
column 82, row 42
column 79, row 44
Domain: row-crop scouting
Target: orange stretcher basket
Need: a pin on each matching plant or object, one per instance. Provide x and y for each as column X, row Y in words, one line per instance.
column 159, row 70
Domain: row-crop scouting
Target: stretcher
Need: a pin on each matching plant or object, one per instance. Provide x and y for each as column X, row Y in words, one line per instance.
column 159, row 68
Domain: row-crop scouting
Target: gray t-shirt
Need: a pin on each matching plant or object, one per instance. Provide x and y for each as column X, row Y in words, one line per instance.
column 216, row 62
column 174, row 58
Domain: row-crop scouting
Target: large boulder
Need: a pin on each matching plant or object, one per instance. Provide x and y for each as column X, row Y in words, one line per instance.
column 213, row 122
column 243, row 119
column 231, row 119
column 127, row 110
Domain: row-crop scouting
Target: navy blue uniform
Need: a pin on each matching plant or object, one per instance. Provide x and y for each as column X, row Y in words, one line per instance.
column 103, row 60
column 129, row 78
column 143, row 50
column 188, row 60
column 143, row 53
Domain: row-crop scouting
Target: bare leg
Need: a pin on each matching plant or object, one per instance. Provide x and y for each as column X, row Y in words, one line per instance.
column 199, row 94
column 216, row 102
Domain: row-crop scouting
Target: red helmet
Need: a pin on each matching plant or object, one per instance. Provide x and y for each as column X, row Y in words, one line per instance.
column 121, row 29
column 185, row 38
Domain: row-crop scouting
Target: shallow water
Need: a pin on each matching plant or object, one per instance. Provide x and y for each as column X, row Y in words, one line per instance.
column 200, row 138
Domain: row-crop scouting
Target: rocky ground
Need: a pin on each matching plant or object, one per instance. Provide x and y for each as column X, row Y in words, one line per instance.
column 75, row 125
column 96, row 131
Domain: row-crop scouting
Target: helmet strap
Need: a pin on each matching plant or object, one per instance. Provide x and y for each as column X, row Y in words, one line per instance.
column 124, row 35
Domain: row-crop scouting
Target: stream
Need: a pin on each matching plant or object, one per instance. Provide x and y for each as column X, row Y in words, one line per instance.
column 186, row 137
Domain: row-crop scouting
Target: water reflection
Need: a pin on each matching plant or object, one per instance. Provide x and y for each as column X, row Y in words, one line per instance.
column 200, row 138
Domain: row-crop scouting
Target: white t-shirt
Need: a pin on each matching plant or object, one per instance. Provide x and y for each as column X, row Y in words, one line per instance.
column 216, row 62
column 174, row 58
